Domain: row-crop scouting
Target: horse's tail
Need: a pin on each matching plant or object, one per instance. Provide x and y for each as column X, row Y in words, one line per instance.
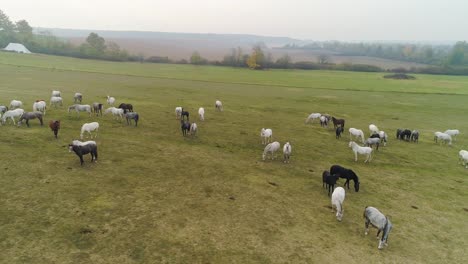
column 364, row 214
column 137, row 117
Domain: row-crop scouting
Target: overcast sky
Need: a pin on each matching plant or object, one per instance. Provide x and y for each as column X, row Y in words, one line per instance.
column 411, row 20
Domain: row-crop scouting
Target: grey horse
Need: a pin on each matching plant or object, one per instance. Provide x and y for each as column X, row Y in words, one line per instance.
column 30, row 115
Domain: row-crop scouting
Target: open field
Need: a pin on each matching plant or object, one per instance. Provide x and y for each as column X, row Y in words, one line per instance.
column 156, row 197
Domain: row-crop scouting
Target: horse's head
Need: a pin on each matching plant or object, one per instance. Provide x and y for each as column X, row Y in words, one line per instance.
column 356, row 186
column 70, row 147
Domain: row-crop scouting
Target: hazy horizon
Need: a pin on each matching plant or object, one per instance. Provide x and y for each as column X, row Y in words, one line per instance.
column 360, row 20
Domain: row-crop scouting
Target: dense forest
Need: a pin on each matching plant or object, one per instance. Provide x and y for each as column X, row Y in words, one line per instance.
column 443, row 59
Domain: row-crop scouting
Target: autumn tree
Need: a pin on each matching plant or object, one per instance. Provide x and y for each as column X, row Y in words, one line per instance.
column 256, row 60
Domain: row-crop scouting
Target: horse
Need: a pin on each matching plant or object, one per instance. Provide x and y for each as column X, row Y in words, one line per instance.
column 14, row 104
column 185, row 126
column 88, row 127
column 218, row 105
column 287, row 149
column 338, row 132
column 323, row 121
column 453, row 133
column 442, row 137
column 55, row 93
column 347, row 174
column 378, row 220
column 178, row 112
column 54, row 126
column 39, row 106
column 126, row 107
column 12, row 114
column 373, row 129
column 110, row 100
column 80, row 149
column 193, row 129
column 201, row 113
column 55, row 100
column 97, row 108
column 383, row 137
column 312, row 117
column 405, row 135
column 271, row 148
column 463, row 158
column 3, row 109
column 132, row 115
column 30, row 115
column 338, row 122
column 337, row 200
column 266, row 135
column 77, row 98
column 414, row 136
column 80, row 108
column 116, row 112
column 329, row 181
column 356, row 133
column 184, row 113
column 373, row 140
column 361, row 150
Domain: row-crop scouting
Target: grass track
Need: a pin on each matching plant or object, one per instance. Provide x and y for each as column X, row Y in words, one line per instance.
column 156, row 197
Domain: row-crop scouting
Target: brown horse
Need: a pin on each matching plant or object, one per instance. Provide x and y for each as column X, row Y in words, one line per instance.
column 55, row 126
column 338, row 122
column 126, row 107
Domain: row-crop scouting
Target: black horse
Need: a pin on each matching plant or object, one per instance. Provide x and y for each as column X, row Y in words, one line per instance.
column 415, row 136
column 346, row 174
column 81, row 150
column 338, row 122
column 126, row 107
column 338, row 131
column 405, row 135
column 185, row 113
column 185, row 126
column 329, row 181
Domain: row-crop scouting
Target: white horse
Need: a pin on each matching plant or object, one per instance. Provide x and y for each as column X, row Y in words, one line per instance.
column 15, row 104
column 178, row 112
column 287, row 149
column 116, row 112
column 3, row 109
column 39, row 107
column 110, row 100
column 312, row 117
column 383, row 136
column 79, row 143
column 78, row 97
column 219, row 105
column 374, row 217
column 88, row 127
column 373, row 129
column 56, row 94
column 266, row 135
column 12, row 114
column 193, row 129
column 55, row 100
column 271, row 148
column 453, row 133
column 361, row 150
column 201, row 113
column 80, row 108
column 462, row 157
column 356, row 133
column 442, row 137
column 337, row 200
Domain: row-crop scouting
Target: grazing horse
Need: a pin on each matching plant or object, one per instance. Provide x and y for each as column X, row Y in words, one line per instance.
column 442, row 137
column 3, row 109
column 329, row 181
column 132, row 116
column 356, row 133
column 266, row 135
column 337, row 200
column 373, row 129
column 110, row 100
column 88, row 127
column 55, row 93
column 453, row 133
column 97, row 108
column 193, row 129
column 287, row 149
column 30, row 115
column 15, row 104
column 185, row 126
column 12, row 114
column 338, row 132
column 201, row 113
column 77, row 98
column 39, row 106
column 373, row 140
column 54, row 126
column 415, row 136
column 178, row 112
column 312, row 117
column 54, row 100
column 116, row 112
column 80, row 108
column 405, row 135
column 338, row 122
column 80, row 149
column 361, row 150
column 378, row 220
column 271, row 148
column 347, row 174
column 383, row 137
column 219, row 105
column 184, row 114
column 126, row 107
column 323, row 121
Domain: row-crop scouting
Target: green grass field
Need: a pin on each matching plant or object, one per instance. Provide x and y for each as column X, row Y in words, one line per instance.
column 156, row 197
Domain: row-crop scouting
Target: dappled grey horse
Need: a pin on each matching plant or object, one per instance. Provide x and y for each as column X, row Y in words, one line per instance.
column 132, row 115
column 374, row 217
column 30, row 115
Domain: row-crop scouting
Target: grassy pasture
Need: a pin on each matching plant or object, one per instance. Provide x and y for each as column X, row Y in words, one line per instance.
column 155, row 197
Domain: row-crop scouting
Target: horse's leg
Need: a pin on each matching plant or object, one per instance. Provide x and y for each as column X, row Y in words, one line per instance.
column 27, row 122
column 366, row 226
column 355, row 156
